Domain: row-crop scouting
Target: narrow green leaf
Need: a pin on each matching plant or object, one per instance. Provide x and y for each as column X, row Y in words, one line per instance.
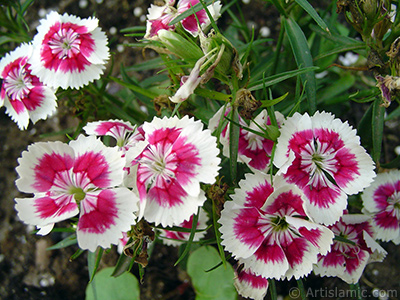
column 123, row 264
column 94, row 261
column 313, row 14
column 268, row 103
column 68, row 241
column 303, row 58
column 378, row 116
column 190, row 240
column 135, row 88
column 328, row 95
column 234, row 132
column 394, row 164
column 274, row 79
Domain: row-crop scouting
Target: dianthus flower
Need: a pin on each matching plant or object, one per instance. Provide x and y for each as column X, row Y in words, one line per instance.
column 80, row 177
column 175, row 238
column 159, row 17
column 23, row 94
column 381, row 200
column 352, row 249
column 267, row 229
column 323, row 157
column 168, row 166
column 254, row 149
column 68, row 51
column 124, row 133
column 249, row 285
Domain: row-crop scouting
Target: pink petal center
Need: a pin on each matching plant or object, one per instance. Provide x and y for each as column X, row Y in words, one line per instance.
column 66, row 47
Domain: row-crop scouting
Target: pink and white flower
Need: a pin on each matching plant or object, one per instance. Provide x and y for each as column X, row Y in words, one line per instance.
column 159, row 17
column 200, row 20
column 175, row 238
column 381, row 201
column 323, row 157
column 266, row 227
column 249, row 285
column 23, row 94
column 352, row 249
column 69, row 51
column 254, row 149
column 176, row 155
column 82, row 177
column 125, row 134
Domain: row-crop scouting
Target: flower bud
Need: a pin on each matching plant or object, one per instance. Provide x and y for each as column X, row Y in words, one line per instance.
column 179, row 46
column 229, row 60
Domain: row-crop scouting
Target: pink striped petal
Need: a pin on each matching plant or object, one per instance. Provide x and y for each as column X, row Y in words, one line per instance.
column 158, row 18
column 44, row 167
column 104, row 216
column 249, row 285
column 96, row 165
column 69, row 51
column 200, row 20
column 274, row 239
column 23, row 95
column 46, row 208
column 381, row 200
column 347, row 260
column 322, row 155
column 177, row 155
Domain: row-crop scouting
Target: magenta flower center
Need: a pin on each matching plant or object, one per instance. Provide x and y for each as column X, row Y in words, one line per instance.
column 318, row 160
column 65, row 43
column 158, row 162
column 18, row 83
column 393, row 206
column 347, row 233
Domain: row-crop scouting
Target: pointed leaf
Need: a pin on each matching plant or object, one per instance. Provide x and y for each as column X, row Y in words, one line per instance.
column 303, row 59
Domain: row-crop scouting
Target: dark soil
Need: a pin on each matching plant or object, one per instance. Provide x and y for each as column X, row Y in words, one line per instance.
column 28, row 271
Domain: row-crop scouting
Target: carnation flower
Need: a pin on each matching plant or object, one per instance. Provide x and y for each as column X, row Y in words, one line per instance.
column 159, row 17
column 23, row 95
column 249, row 285
column 175, row 238
column 323, row 157
column 381, row 200
column 352, row 249
column 82, row 177
column 68, row 51
column 168, row 166
column 254, row 149
column 124, row 133
column 267, row 228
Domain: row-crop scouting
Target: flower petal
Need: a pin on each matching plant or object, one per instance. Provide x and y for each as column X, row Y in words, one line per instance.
column 104, row 216
column 68, row 51
column 45, row 166
column 44, row 209
column 249, row 285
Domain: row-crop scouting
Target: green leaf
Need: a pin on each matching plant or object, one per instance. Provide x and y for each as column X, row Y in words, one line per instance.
column 271, row 80
column 234, row 132
column 378, row 116
column 94, row 261
column 68, row 241
column 106, row 287
column 268, row 103
column 215, row 284
column 303, row 58
column 312, row 12
column 329, row 94
column 394, row 164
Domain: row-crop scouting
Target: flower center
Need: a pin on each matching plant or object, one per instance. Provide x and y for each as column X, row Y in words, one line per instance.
column 18, row 83
column 65, row 43
column 319, row 160
column 159, row 162
column 394, row 205
column 79, row 193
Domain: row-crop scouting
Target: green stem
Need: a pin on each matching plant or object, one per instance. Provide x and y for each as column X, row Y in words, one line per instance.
column 300, row 285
